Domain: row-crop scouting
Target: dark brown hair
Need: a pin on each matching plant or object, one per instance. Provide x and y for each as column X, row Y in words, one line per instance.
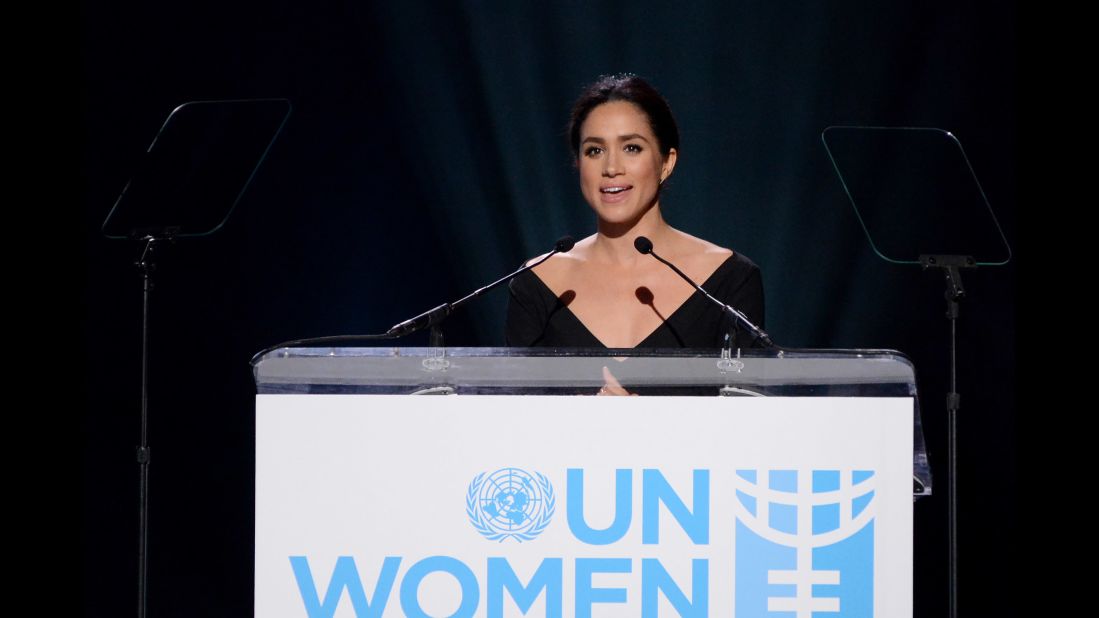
column 631, row 88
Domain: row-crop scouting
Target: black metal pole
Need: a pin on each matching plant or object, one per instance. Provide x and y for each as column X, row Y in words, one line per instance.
column 952, row 404
column 145, row 263
column 952, row 266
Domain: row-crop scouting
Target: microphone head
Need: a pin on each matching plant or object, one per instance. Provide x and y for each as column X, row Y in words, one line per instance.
column 564, row 244
column 643, row 245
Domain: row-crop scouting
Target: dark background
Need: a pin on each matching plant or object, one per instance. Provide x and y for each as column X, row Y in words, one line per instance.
column 426, row 156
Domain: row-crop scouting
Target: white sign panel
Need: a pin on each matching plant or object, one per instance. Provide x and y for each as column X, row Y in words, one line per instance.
column 490, row 506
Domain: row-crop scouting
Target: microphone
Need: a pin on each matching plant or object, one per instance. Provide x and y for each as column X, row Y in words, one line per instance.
column 434, row 316
column 644, row 246
column 426, row 319
column 563, row 245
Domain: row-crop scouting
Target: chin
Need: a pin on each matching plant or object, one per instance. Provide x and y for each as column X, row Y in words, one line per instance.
column 622, row 214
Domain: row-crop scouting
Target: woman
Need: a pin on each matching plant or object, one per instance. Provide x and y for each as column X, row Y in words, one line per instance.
column 604, row 293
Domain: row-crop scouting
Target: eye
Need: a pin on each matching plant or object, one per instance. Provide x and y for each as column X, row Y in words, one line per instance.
column 634, row 148
column 592, row 151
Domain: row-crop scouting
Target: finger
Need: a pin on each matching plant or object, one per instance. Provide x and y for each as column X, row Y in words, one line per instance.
column 611, row 385
column 609, row 378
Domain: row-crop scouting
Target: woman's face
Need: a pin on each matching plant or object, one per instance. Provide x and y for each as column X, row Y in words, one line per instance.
column 621, row 167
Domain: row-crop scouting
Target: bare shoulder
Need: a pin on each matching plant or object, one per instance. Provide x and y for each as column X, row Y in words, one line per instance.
column 561, row 268
column 703, row 255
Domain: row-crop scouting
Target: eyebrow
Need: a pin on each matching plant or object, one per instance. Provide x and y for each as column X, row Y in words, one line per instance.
column 621, row 138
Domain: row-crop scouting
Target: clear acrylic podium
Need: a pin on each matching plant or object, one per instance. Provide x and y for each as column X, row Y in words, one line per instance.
column 734, row 483
column 576, row 371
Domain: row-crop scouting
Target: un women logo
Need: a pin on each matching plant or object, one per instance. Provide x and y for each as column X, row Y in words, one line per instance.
column 510, row 504
column 805, row 542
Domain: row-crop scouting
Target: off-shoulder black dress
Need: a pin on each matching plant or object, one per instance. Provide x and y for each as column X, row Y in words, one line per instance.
column 536, row 317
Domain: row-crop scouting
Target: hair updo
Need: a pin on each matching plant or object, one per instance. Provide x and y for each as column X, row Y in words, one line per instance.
column 632, row 89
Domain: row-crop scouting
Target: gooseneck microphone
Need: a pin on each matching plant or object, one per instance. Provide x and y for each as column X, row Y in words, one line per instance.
column 426, row 319
column 645, row 247
column 434, row 316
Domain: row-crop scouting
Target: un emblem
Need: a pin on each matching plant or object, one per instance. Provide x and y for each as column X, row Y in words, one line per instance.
column 510, row 504
column 805, row 542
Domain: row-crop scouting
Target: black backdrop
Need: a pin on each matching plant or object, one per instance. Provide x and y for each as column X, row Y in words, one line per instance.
column 426, row 156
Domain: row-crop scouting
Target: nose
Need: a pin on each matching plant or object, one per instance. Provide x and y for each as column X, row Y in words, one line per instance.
column 610, row 164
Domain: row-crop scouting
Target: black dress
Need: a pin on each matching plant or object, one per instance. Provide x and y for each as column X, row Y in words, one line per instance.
column 536, row 317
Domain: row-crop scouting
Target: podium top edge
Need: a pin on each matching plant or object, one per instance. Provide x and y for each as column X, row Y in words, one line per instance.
column 544, row 352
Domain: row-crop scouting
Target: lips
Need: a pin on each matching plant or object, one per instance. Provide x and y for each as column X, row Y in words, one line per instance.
column 614, row 193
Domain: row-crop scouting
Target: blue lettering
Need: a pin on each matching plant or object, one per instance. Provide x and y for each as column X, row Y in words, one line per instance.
column 410, row 586
column 655, row 579
column 623, row 508
column 547, row 577
column 586, row 595
column 345, row 575
column 655, row 489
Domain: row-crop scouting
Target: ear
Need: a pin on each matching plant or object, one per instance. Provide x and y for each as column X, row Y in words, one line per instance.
column 669, row 164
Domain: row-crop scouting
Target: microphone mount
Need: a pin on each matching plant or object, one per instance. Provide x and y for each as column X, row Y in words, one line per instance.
column 645, row 247
column 433, row 317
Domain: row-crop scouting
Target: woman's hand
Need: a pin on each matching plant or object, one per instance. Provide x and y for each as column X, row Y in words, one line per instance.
column 611, row 386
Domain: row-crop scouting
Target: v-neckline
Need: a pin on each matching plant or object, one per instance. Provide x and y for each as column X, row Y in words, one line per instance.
column 663, row 323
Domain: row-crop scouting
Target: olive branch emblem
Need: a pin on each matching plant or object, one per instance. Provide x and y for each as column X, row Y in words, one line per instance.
column 491, row 530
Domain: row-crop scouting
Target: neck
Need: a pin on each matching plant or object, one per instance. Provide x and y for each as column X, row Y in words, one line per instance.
column 614, row 241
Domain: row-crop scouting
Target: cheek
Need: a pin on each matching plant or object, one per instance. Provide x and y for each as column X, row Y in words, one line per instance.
column 658, row 167
column 589, row 174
